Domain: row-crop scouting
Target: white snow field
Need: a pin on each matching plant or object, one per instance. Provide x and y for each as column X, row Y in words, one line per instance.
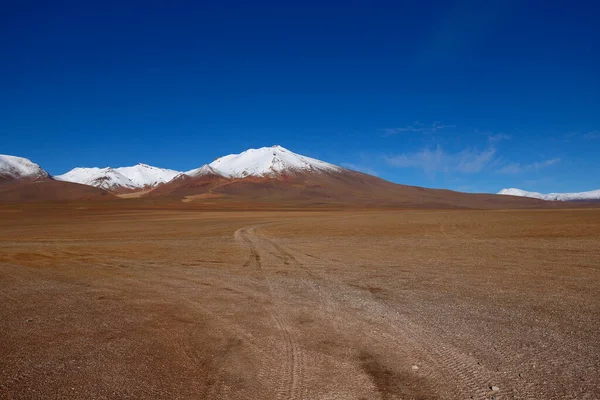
column 268, row 161
column 135, row 177
column 591, row 195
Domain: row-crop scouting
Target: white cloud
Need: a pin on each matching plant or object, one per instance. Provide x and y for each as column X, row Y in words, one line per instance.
column 471, row 161
column 417, row 127
column 516, row 168
column 467, row 161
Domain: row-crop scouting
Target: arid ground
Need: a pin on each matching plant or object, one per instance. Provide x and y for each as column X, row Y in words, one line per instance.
column 175, row 304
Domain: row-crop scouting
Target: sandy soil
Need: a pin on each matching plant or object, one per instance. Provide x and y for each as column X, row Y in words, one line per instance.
column 299, row 305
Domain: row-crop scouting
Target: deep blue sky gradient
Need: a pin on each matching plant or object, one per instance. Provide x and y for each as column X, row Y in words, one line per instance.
column 466, row 95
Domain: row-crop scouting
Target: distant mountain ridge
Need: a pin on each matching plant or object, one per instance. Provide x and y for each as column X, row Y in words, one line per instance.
column 262, row 162
column 581, row 196
column 140, row 176
column 265, row 177
column 275, row 176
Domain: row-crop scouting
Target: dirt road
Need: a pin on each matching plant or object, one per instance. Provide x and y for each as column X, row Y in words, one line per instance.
column 300, row 305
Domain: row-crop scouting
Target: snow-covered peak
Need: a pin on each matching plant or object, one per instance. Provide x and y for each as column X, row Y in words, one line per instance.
column 591, row 195
column 105, row 178
column 268, row 161
column 203, row 170
column 143, row 175
column 12, row 167
column 135, row 177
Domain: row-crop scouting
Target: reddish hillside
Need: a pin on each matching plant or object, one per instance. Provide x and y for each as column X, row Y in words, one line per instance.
column 50, row 190
column 343, row 187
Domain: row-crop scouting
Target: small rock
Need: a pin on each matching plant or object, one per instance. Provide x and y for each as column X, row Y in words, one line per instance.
column 415, row 367
column 495, row 388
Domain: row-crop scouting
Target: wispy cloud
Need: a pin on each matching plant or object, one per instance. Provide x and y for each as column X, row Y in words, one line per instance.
column 498, row 137
column 592, row 135
column 467, row 161
column 471, row 161
column 516, row 168
column 360, row 168
column 578, row 135
column 417, row 127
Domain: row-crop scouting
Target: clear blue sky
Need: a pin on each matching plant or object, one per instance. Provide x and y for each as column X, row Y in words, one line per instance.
column 467, row 95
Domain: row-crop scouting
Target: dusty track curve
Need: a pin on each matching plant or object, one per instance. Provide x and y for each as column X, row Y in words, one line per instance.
column 301, row 305
column 444, row 363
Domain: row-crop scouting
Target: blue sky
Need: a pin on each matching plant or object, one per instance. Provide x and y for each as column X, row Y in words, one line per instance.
column 466, row 95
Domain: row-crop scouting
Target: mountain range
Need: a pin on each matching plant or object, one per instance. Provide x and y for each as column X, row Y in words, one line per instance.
column 581, row 196
column 268, row 175
column 266, row 161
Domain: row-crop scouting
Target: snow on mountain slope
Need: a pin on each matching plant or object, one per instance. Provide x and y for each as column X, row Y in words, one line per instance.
column 268, row 161
column 253, row 162
column 130, row 178
column 203, row 170
column 12, row 167
column 105, row 178
column 591, row 195
column 143, row 175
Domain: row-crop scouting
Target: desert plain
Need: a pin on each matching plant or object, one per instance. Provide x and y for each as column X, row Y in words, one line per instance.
column 111, row 302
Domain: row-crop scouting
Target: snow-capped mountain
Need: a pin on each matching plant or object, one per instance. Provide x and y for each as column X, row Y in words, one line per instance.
column 265, row 161
column 591, row 195
column 143, row 175
column 105, row 178
column 122, row 178
column 12, row 168
column 262, row 177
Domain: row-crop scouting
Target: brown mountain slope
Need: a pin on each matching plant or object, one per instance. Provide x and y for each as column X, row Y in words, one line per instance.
column 184, row 185
column 330, row 188
column 7, row 179
column 50, row 190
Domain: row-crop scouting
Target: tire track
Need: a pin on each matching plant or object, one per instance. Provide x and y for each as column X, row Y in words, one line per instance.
column 199, row 359
column 291, row 381
column 463, row 376
column 254, row 256
column 446, row 363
